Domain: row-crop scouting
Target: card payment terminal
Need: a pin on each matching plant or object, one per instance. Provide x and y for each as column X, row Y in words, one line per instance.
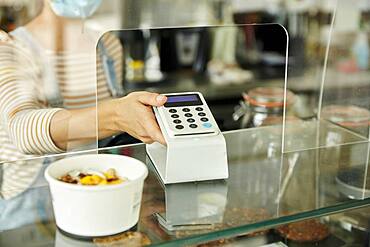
column 196, row 148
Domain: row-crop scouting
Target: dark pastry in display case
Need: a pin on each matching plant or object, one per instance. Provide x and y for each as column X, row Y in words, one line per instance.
column 127, row 239
column 240, row 216
column 304, row 231
column 216, row 243
column 233, row 218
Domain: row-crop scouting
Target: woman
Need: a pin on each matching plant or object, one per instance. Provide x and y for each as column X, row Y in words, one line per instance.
column 36, row 68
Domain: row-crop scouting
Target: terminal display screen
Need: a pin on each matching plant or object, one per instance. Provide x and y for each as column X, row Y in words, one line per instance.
column 183, row 100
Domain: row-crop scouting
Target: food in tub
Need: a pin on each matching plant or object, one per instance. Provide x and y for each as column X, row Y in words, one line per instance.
column 93, row 177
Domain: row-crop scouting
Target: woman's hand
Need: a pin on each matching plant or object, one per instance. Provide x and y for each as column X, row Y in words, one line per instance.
column 134, row 115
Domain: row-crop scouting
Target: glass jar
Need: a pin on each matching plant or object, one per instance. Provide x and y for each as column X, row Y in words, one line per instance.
column 357, row 120
column 351, row 117
column 263, row 106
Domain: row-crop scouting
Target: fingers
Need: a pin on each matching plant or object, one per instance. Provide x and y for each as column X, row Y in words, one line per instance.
column 138, row 119
column 147, row 129
column 147, row 140
column 153, row 130
column 152, row 99
column 161, row 140
column 142, row 136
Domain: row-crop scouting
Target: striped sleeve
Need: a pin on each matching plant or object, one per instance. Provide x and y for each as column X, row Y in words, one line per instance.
column 25, row 119
column 18, row 176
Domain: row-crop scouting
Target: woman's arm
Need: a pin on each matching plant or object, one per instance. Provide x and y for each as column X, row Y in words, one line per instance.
column 37, row 130
column 25, row 119
column 132, row 114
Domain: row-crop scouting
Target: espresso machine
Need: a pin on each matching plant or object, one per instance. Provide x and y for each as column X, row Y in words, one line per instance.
column 152, row 54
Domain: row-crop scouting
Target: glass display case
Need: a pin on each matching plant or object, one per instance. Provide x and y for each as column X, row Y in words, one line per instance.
column 256, row 196
column 340, row 229
column 301, row 175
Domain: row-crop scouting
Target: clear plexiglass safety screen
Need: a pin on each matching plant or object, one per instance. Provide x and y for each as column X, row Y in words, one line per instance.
column 239, row 69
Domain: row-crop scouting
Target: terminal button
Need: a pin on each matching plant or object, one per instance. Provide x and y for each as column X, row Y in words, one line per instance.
column 180, row 127
column 207, row 125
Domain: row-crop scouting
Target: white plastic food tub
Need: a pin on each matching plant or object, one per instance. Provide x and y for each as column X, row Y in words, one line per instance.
column 93, row 211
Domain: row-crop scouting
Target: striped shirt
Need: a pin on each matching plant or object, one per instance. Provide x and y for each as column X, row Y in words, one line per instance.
column 29, row 78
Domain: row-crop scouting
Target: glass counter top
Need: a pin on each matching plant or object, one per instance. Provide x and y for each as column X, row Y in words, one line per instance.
column 265, row 188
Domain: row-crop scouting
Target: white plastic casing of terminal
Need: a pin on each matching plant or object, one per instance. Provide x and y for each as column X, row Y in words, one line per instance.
column 191, row 157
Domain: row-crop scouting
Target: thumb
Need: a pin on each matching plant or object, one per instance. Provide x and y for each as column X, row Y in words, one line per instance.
column 152, row 99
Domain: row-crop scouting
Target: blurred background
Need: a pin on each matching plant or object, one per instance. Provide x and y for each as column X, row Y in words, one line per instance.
column 236, row 52
column 231, row 71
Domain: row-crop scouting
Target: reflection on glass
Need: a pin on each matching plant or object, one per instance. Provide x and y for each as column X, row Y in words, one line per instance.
column 348, row 116
column 62, row 240
column 194, row 204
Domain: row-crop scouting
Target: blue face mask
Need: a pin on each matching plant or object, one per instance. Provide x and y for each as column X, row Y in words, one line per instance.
column 74, row 8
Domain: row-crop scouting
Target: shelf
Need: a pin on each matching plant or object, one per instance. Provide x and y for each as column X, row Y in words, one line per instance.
column 264, row 190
